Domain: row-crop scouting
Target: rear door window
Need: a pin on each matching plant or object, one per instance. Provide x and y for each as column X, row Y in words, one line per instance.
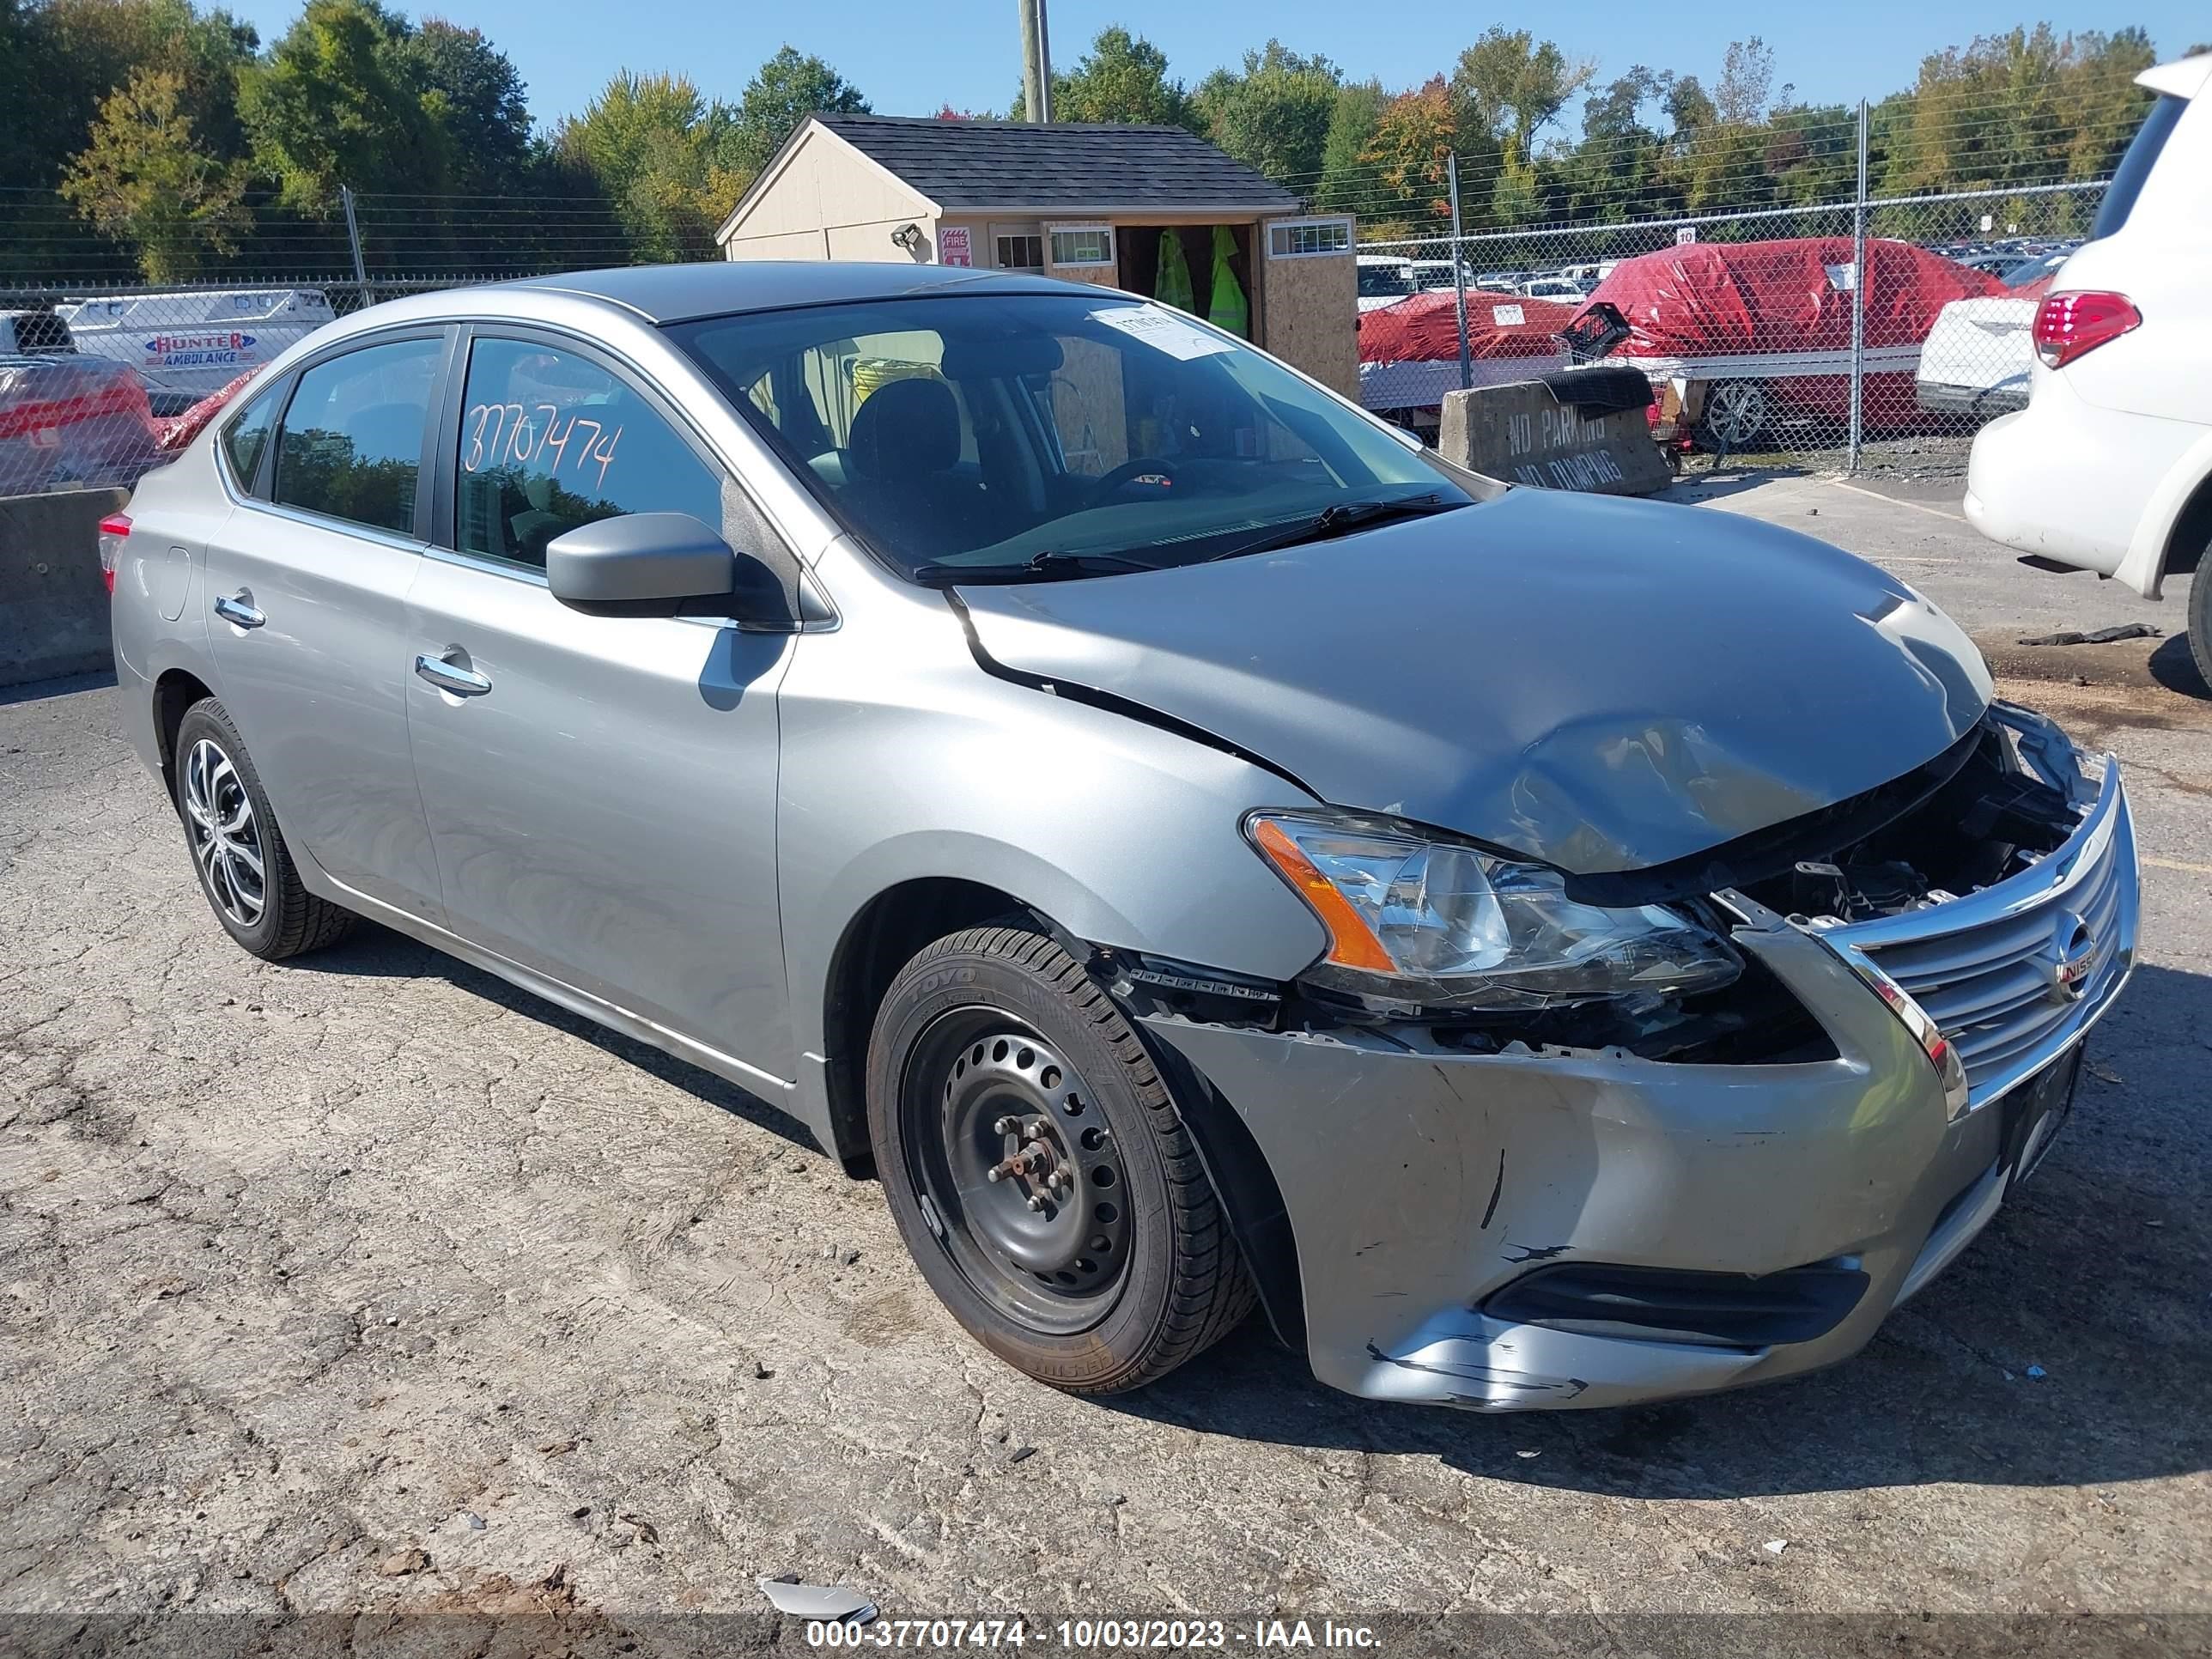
column 351, row 446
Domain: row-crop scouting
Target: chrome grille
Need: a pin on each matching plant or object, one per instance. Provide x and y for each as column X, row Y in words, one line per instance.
column 2011, row 974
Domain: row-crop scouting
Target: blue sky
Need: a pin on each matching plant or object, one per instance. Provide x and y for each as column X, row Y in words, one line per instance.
column 911, row 55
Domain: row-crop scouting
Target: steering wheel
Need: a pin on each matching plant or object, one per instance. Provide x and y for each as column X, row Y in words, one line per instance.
column 1129, row 471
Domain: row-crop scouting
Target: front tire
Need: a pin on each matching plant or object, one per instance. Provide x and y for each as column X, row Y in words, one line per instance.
column 1097, row 1258
column 243, row 865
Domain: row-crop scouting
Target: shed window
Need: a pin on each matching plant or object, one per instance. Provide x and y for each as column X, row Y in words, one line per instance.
column 1083, row 244
column 1021, row 252
column 1301, row 239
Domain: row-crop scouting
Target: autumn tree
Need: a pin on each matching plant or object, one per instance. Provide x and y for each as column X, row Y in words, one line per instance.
column 1411, row 149
column 144, row 180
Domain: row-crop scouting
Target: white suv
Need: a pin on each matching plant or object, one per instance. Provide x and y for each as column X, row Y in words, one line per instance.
column 2109, row 468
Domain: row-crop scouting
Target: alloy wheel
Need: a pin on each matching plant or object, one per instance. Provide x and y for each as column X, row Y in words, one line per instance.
column 226, row 838
column 1736, row 412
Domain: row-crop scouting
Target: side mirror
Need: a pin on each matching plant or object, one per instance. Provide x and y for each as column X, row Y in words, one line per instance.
column 661, row 564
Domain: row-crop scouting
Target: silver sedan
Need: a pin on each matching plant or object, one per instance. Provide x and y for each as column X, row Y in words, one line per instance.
column 1195, row 846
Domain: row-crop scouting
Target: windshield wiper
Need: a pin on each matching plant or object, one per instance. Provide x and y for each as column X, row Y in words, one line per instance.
column 1337, row 520
column 1048, row 563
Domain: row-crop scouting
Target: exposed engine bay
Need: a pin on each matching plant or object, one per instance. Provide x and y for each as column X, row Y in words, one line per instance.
column 1993, row 819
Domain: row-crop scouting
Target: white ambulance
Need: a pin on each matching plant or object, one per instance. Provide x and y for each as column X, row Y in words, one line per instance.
column 186, row 343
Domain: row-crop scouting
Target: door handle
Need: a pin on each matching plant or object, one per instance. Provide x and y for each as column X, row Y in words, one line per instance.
column 461, row 682
column 234, row 609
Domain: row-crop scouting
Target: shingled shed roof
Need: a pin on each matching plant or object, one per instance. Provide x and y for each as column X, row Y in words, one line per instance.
column 1017, row 164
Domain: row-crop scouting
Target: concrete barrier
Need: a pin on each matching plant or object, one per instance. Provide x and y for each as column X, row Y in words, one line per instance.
column 1540, row 433
column 53, row 605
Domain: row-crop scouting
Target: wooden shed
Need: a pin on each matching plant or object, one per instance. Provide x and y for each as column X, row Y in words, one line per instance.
column 1087, row 204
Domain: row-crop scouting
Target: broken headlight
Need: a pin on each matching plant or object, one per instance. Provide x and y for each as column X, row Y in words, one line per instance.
column 1439, row 923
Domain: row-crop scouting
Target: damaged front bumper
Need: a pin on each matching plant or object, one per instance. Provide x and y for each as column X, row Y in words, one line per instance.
column 1774, row 1213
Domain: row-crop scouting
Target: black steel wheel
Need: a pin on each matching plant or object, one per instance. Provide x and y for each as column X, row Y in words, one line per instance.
column 1038, row 1169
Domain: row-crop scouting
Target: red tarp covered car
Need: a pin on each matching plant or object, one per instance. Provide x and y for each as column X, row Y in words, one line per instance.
column 1409, row 351
column 1767, row 326
column 66, row 419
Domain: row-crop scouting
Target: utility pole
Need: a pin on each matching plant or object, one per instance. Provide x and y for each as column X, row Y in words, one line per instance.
column 1458, row 279
column 1858, row 305
column 353, row 239
column 1036, row 62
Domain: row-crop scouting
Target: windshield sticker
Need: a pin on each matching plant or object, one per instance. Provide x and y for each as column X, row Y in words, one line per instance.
column 1508, row 316
column 1162, row 330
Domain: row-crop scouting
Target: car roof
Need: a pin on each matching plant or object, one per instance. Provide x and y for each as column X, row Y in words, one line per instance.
column 2184, row 78
column 675, row 294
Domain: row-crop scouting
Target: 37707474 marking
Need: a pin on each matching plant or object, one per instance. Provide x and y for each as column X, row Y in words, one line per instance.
column 505, row 434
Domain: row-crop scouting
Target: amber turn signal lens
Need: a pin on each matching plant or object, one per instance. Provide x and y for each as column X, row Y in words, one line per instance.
column 1351, row 942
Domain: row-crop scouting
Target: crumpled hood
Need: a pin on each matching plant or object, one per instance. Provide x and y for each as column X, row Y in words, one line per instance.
column 1600, row 683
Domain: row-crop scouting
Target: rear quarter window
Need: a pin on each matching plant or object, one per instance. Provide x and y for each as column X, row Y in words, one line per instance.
column 2135, row 166
column 247, row 436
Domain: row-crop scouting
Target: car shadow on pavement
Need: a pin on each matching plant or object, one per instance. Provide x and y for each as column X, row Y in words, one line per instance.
column 372, row 951
column 2068, row 1346
column 2173, row 666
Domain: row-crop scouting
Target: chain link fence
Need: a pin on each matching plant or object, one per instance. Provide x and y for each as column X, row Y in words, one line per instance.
column 1766, row 346
column 1765, row 343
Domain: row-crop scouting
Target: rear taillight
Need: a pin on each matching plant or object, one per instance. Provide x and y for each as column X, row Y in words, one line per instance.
column 113, row 531
column 2068, row 325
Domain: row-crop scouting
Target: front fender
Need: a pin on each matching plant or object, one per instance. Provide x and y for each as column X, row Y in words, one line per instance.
column 903, row 760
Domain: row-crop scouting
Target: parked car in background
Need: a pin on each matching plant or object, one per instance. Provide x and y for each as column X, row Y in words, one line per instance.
column 66, row 419
column 1762, row 331
column 1634, row 979
column 1976, row 359
column 1409, row 353
column 2109, row 468
column 1502, row 282
column 32, row 333
column 188, row 342
column 1564, row 289
column 1384, row 279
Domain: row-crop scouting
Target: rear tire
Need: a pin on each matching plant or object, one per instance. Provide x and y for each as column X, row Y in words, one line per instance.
column 994, row 1049
column 237, row 853
column 2200, row 618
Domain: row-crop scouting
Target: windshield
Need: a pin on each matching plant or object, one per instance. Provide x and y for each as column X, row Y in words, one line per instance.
column 1376, row 280
column 1048, row 434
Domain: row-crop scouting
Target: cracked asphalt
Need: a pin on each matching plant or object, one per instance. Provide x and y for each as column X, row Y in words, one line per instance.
column 367, row 1285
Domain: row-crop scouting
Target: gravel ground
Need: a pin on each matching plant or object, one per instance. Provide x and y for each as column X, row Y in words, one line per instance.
column 367, row 1297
